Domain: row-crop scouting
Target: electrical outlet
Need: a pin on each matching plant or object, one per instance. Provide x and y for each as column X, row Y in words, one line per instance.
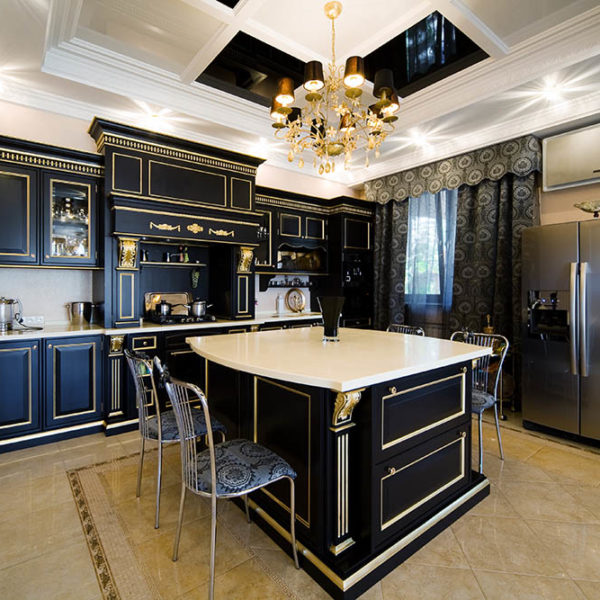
column 35, row 321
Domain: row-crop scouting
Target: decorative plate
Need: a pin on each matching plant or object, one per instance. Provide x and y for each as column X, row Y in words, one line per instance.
column 295, row 300
column 589, row 206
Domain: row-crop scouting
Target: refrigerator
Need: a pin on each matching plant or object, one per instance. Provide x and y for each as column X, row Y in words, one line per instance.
column 561, row 327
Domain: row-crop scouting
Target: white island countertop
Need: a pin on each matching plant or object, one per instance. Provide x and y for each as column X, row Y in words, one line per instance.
column 361, row 357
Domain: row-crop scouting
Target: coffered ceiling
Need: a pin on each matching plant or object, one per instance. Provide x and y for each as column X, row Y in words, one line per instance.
column 137, row 61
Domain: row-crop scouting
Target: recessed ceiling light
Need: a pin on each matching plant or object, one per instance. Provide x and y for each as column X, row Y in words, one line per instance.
column 419, row 139
column 552, row 90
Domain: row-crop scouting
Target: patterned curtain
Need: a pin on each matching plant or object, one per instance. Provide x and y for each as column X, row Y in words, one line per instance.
column 391, row 229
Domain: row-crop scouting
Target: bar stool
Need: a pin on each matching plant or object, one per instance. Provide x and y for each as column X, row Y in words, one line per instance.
column 486, row 367
column 227, row 470
column 156, row 424
column 408, row 329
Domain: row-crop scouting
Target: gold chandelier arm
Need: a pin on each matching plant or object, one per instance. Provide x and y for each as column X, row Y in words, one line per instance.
column 333, row 42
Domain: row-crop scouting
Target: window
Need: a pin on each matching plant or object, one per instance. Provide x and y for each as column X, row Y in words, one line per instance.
column 430, row 249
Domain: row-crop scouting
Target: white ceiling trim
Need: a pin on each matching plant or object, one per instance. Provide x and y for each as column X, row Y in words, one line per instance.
column 471, row 25
column 543, row 118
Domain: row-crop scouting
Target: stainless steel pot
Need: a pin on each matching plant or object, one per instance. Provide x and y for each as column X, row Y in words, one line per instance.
column 80, row 313
column 198, row 308
column 7, row 314
column 163, row 308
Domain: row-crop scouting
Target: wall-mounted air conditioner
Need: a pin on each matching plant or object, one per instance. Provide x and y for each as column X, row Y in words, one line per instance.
column 571, row 159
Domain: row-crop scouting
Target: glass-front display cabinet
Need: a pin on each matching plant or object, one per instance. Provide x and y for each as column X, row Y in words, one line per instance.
column 69, row 221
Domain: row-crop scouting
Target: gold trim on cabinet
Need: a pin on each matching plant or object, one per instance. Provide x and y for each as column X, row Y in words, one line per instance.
column 28, row 179
column 393, row 472
column 339, row 548
column 116, row 344
column 344, row 405
column 54, row 378
column 368, row 224
column 112, row 139
column 346, row 584
column 281, row 215
column 164, row 226
column 114, row 187
column 162, row 237
column 245, row 261
column 221, row 232
column 144, row 347
column 115, row 397
column 158, row 162
column 322, row 221
column 123, row 274
column 306, row 521
column 89, row 223
column 269, row 262
column 195, row 228
column 431, row 425
column 38, row 160
column 128, row 248
column 249, row 191
column 29, row 386
column 247, row 306
column 181, row 216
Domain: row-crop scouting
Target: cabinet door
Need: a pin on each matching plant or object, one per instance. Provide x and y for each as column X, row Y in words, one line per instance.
column 290, row 226
column 73, row 380
column 19, row 395
column 18, row 215
column 314, row 228
column 357, row 234
column 69, row 220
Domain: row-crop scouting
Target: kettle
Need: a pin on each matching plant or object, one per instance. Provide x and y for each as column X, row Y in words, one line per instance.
column 7, row 314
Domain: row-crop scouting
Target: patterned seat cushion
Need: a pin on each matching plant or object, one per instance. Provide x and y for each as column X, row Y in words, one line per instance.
column 241, row 465
column 169, row 429
column 481, row 401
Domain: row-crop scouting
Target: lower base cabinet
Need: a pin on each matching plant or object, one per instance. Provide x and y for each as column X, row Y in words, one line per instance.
column 20, row 388
column 73, row 378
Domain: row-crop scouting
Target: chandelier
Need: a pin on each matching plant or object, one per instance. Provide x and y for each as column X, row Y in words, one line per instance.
column 333, row 121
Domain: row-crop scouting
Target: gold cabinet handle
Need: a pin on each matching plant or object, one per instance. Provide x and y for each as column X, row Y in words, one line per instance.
column 391, row 470
column 35, row 347
column 49, row 345
column 392, row 389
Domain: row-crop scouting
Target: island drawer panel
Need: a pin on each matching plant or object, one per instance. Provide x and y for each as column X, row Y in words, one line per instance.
column 408, row 411
column 409, row 485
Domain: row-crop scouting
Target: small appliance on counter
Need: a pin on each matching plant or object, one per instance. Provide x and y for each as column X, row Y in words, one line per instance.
column 9, row 318
column 175, row 307
column 83, row 313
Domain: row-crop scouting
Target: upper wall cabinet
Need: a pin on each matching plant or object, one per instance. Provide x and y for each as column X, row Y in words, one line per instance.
column 48, row 205
column 357, row 233
column 18, row 215
column 172, row 171
column 299, row 228
column 69, row 220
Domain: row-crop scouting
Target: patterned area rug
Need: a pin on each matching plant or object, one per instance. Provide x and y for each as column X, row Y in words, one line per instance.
column 133, row 563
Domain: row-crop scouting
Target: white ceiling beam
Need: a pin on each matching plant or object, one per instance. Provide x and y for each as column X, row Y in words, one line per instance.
column 472, row 26
column 63, row 18
column 205, row 55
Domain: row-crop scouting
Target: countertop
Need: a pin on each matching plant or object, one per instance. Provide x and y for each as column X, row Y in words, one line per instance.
column 361, row 357
column 52, row 330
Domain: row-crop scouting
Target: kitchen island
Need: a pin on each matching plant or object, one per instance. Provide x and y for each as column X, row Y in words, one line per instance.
column 378, row 428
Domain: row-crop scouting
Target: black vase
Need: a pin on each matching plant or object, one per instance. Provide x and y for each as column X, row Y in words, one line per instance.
column 331, row 309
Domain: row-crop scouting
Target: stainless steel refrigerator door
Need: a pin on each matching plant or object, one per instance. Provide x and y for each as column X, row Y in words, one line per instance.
column 590, row 331
column 550, row 380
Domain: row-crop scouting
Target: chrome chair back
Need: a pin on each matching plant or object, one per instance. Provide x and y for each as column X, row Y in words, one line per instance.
column 408, row 329
column 254, row 467
column 486, row 377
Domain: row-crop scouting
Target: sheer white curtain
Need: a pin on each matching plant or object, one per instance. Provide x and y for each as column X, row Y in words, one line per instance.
column 430, row 255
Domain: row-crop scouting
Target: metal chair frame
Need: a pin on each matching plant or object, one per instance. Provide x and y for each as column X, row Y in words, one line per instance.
column 408, row 329
column 179, row 393
column 481, row 375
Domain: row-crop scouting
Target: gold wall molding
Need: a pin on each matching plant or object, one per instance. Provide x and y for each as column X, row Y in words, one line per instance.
column 127, row 252
column 245, row 262
column 221, row 232
column 313, row 208
column 195, row 228
column 165, row 226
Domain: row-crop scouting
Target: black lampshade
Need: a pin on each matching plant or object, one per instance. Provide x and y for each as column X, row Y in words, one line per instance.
column 285, row 91
column 384, row 83
column 294, row 115
column 313, row 76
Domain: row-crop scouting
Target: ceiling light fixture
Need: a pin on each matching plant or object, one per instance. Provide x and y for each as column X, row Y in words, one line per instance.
column 332, row 124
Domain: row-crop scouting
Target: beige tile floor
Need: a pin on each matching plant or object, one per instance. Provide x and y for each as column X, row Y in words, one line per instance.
column 536, row 536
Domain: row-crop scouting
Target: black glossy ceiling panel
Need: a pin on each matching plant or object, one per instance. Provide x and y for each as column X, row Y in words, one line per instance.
column 230, row 3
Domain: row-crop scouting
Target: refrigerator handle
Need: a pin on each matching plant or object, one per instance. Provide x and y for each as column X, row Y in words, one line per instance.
column 573, row 318
column 583, row 349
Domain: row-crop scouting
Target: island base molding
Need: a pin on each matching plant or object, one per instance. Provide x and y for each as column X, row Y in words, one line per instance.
column 349, row 583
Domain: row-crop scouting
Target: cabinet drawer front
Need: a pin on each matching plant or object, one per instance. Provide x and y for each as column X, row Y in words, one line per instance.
column 147, row 342
column 420, row 409
column 416, row 481
column 19, row 400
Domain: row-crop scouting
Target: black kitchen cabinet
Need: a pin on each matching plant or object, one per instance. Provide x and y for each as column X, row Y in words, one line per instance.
column 69, row 221
column 20, row 393
column 298, row 228
column 73, row 380
column 18, row 215
column 356, row 233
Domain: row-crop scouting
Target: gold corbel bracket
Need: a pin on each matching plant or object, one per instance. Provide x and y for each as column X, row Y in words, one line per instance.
column 344, row 405
column 245, row 262
column 128, row 248
column 116, row 344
